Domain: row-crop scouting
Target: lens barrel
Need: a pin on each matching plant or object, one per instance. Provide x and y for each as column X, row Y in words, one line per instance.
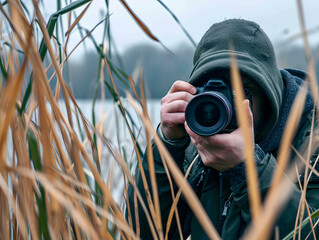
column 208, row 113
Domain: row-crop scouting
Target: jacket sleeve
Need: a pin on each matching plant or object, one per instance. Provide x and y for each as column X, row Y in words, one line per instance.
column 267, row 165
column 177, row 151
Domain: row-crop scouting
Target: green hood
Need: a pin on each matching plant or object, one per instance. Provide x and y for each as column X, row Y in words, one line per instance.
column 254, row 55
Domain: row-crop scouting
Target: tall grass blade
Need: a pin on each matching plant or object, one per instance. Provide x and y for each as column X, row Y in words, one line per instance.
column 289, row 133
column 245, row 125
column 278, row 195
column 314, row 86
column 147, row 192
column 36, row 160
column 179, row 23
column 43, row 48
column 310, row 61
column 3, row 70
column 139, row 21
column 314, row 215
column 77, row 19
column 151, row 164
column 16, row 211
column 53, row 20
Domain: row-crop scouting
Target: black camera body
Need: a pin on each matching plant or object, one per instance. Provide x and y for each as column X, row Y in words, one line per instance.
column 212, row 110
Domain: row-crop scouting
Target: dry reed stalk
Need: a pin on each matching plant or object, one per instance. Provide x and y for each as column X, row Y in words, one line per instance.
column 307, row 207
column 281, row 186
column 139, row 21
column 100, row 126
column 304, row 188
column 95, row 173
column 41, row 112
column 106, row 193
column 151, row 165
column 25, row 186
column 147, row 192
column 7, row 106
column 15, row 209
column 72, row 193
column 74, row 152
column 311, row 67
column 245, row 125
column 44, row 116
column 313, row 170
column 142, row 102
column 77, row 19
column 79, row 145
column 175, row 202
column 52, row 189
column 117, row 156
column 189, row 194
column 314, row 87
column 289, row 133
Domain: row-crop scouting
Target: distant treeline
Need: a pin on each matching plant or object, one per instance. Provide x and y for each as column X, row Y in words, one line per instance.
column 160, row 68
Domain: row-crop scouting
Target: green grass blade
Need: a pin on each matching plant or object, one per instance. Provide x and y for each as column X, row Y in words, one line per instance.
column 36, row 160
column 179, row 23
column 119, row 73
column 26, row 96
column 53, row 19
column 93, row 107
column 10, row 46
column 3, row 70
column 303, row 224
column 98, row 195
column 25, row 8
column 43, row 48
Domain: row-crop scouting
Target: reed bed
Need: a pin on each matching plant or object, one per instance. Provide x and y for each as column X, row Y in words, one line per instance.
column 58, row 182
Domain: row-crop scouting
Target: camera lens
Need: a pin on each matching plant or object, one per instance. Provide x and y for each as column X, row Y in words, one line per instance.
column 207, row 114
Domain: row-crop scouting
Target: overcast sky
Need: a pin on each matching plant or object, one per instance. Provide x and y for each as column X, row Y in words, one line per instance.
column 278, row 18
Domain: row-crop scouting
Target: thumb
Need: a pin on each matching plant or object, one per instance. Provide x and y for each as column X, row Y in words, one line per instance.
column 249, row 113
column 250, row 117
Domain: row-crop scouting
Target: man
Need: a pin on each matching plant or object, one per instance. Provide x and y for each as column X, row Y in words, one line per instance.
column 218, row 177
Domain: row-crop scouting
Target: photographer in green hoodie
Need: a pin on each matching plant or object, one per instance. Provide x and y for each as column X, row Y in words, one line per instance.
column 218, row 177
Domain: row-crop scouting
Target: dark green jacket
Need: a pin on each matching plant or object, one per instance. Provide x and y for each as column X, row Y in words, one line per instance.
column 218, row 194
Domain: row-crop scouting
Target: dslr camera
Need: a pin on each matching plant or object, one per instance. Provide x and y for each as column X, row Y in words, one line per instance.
column 212, row 110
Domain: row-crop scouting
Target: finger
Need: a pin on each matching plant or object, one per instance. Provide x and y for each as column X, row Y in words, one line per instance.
column 173, row 119
column 171, row 97
column 196, row 139
column 249, row 113
column 182, row 86
column 219, row 141
column 176, row 106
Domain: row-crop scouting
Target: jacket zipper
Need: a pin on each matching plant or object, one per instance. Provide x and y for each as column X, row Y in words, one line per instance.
column 223, row 216
column 227, row 205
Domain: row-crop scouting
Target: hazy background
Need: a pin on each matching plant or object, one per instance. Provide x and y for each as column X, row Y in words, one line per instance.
column 131, row 49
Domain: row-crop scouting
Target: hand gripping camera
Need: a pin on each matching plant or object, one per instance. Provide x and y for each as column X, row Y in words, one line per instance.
column 212, row 110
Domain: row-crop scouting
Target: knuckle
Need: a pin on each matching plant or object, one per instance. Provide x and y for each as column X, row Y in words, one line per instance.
column 181, row 106
column 163, row 100
column 184, row 95
column 207, row 161
column 163, row 114
column 179, row 82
